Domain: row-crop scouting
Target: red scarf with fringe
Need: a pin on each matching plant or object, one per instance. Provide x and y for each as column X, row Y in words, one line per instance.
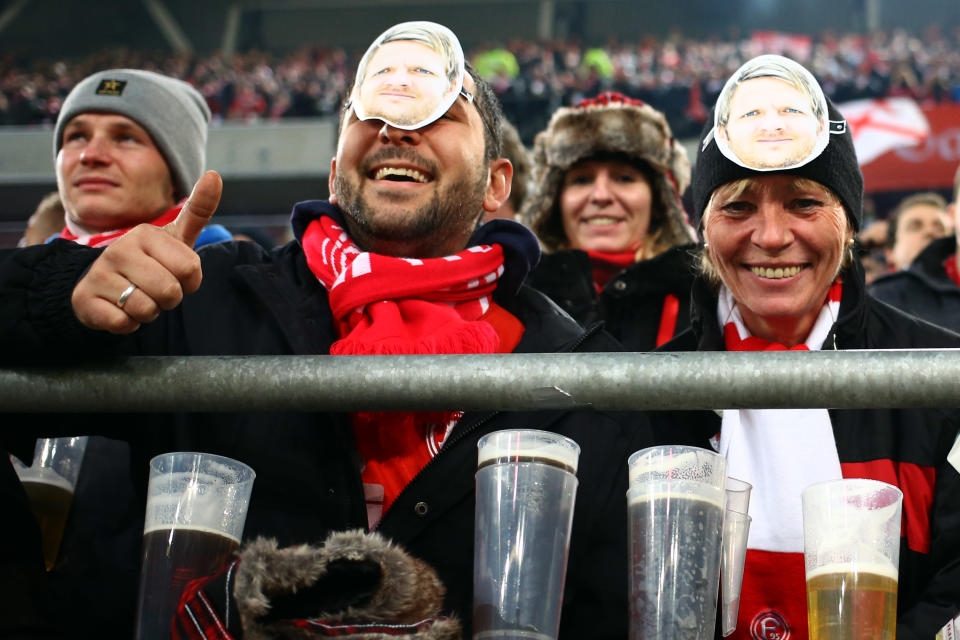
column 386, row 305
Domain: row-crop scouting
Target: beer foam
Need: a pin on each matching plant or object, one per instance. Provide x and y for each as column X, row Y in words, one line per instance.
column 168, row 527
column 683, row 463
column 886, row 570
column 561, row 454
column 200, row 501
column 676, row 490
column 44, row 475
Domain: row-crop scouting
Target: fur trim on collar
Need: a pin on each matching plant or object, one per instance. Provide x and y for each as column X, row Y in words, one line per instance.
column 610, row 123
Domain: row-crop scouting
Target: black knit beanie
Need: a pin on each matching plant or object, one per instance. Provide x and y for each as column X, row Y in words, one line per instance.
column 836, row 168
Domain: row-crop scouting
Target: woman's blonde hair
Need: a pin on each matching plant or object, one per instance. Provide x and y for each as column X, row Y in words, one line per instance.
column 708, row 270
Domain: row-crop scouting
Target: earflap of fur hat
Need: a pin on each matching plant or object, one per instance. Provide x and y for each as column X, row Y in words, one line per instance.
column 614, row 124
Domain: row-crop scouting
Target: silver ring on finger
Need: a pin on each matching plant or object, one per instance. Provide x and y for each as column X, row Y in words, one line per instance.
column 122, row 300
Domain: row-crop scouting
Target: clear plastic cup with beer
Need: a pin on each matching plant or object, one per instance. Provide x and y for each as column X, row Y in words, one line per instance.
column 675, row 509
column 196, row 509
column 526, row 487
column 851, row 532
column 49, row 482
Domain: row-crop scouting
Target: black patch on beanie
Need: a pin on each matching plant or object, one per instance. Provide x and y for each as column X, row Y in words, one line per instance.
column 111, row 87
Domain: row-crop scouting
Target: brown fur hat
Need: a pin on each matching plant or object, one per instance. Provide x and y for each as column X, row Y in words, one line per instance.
column 608, row 124
column 355, row 578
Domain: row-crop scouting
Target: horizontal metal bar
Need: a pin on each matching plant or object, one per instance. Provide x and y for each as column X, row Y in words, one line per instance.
column 615, row 381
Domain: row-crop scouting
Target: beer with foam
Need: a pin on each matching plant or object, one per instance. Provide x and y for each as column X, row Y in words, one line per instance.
column 526, row 486
column 196, row 508
column 675, row 531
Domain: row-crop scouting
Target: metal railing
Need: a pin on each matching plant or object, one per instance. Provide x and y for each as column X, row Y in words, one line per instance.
column 615, row 381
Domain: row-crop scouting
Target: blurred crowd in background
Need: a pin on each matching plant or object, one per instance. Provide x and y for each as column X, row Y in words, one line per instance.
column 676, row 74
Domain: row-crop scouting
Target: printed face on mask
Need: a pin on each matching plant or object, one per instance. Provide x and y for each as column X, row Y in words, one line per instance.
column 771, row 115
column 410, row 76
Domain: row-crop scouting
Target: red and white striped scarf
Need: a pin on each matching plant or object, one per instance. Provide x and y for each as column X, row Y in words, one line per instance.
column 780, row 452
column 96, row 240
column 387, row 305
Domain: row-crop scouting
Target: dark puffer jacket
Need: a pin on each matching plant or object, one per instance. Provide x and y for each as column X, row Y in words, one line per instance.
column 924, row 289
column 905, row 447
column 631, row 304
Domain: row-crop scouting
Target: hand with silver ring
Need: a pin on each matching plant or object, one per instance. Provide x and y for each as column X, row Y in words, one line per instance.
column 122, row 300
column 154, row 268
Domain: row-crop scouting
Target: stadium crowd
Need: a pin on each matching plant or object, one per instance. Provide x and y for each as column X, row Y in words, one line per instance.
column 762, row 255
column 677, row 75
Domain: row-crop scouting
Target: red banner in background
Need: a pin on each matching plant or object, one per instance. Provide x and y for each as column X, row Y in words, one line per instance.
column 930, row 165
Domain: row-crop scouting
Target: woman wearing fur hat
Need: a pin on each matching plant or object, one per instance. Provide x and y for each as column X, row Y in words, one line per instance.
column 778, row 272
column 605, row 204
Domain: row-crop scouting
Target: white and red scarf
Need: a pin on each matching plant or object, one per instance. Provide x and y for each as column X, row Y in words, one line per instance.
column 73, row 232
column 387, row 305
column 780, row 452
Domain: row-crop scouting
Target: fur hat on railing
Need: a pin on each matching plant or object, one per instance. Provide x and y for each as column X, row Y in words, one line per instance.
column 356, row 586
column 609, row 126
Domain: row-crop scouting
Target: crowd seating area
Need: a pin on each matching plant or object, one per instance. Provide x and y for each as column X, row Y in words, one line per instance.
column 676, row 74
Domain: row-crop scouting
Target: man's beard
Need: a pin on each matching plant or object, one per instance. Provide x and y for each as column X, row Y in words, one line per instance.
column 456, row 207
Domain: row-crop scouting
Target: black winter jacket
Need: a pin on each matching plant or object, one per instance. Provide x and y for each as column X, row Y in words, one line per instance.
column 631, row 303
column 308, row 479
column 924, row 289
column 905, row 447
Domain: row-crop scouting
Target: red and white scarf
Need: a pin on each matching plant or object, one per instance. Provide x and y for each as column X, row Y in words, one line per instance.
column 387, row 305
column 73, row 232
column 780, row 452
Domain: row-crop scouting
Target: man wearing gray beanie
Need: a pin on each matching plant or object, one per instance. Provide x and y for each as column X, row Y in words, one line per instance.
column 128, row 145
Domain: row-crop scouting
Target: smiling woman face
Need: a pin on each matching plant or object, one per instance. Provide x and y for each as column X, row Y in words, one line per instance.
column 605, row 206
column 776, row 242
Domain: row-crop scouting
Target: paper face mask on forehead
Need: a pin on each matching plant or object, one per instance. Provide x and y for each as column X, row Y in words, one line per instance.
column 410, row 76
column 771, row 115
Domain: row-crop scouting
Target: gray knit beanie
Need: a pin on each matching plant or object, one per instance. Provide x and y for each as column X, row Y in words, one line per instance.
column 173, row 113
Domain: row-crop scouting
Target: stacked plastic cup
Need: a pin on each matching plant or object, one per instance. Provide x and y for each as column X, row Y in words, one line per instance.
column 675, row 506
column 526, row 489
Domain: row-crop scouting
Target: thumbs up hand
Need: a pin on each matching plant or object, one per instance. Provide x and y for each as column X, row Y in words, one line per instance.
column 149, row 269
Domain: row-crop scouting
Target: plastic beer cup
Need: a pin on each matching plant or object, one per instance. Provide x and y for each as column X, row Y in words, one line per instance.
column 49, row 483
column 196, row 508
column 736, row 531
column 675, row 508
column 526, row 485
column 851, row 552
